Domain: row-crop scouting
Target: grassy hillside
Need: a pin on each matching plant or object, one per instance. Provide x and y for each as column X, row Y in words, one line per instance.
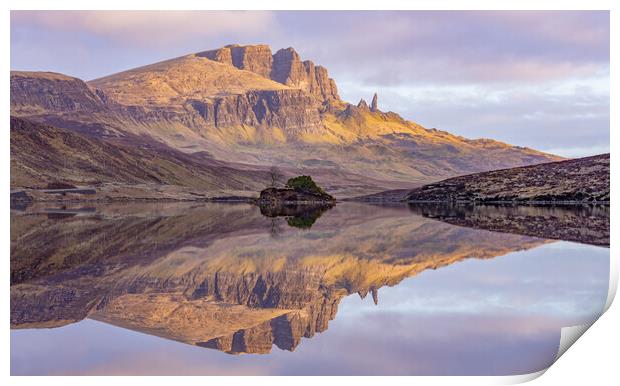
column 41, row 154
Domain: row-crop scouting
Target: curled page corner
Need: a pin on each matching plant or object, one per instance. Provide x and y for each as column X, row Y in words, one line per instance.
column 613, row 281
column 523, row 378
column 569, row 335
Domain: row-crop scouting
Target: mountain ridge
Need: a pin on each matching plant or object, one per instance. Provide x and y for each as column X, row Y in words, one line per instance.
column 226, row 102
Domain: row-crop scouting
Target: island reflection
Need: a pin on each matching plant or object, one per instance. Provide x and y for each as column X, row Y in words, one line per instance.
column 297, row 215
column 214, row 275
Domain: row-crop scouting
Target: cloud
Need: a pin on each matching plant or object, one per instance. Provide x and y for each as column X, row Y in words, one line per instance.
column 148, row 27
column 566, row 116
column 424, row 47
column 460, row 70
column 387, row 47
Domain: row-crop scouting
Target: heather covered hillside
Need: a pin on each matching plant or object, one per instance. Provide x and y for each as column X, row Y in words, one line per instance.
column 581, row 180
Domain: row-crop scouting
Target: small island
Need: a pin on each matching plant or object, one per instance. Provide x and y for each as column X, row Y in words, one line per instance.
column 298, row 190
column 301, row 201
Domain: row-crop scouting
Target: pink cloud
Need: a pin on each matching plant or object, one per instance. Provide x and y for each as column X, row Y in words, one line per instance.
column 149, row 27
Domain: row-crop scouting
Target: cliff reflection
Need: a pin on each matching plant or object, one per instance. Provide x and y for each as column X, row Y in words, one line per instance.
column 212, row 275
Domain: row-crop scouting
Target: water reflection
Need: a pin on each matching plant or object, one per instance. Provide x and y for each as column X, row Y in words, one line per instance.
column 581, row 223
column 213, row 275
column 301, row 216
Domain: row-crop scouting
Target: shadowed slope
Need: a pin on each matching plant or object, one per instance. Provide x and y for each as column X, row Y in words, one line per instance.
column 579, row 180
column 41, row 154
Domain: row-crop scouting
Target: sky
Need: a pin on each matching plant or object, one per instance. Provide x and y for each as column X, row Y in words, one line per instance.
column 530, row 78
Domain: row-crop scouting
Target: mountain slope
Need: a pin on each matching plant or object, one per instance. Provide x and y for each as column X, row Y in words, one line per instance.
column 174, row 81
column 577, row 180
column 245, row 104
column 42, row 154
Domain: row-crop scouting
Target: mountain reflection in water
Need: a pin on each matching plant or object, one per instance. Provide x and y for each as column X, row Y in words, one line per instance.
column 213, row 275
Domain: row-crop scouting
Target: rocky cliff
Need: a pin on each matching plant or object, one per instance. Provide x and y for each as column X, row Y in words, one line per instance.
column 292, row 110
column 285, row 66
column 256, row 58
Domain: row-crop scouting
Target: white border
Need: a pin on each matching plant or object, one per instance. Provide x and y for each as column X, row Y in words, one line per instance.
column 592, row 360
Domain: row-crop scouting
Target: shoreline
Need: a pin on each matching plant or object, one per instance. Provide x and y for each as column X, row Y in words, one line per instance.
column 257, row 201
column 492, row 202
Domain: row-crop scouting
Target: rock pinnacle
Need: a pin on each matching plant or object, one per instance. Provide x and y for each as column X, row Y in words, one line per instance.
column 373, row 104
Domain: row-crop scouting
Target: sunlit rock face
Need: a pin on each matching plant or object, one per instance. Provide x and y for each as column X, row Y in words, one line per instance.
column 290, row 70
column 292, row 110
column 223, row 276
column 285, row 66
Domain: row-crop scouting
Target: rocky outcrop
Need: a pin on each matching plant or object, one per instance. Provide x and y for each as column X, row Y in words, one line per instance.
column 287, row 289
column 63, row 101
column 285, row 67
column 362, row 105
column 319, row 83
column 360, row 112
column 284, row 196
column 290, row 70
column 293, row 110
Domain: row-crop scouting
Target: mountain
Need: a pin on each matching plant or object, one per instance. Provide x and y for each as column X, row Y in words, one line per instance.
column 583, row 180
column 245, row 105
column 222, row 276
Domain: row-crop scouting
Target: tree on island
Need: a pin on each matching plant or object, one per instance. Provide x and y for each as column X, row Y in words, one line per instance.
column 275, row 175
column 304, row 184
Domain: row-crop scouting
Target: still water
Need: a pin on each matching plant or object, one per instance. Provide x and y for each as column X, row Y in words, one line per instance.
column 358, row 289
